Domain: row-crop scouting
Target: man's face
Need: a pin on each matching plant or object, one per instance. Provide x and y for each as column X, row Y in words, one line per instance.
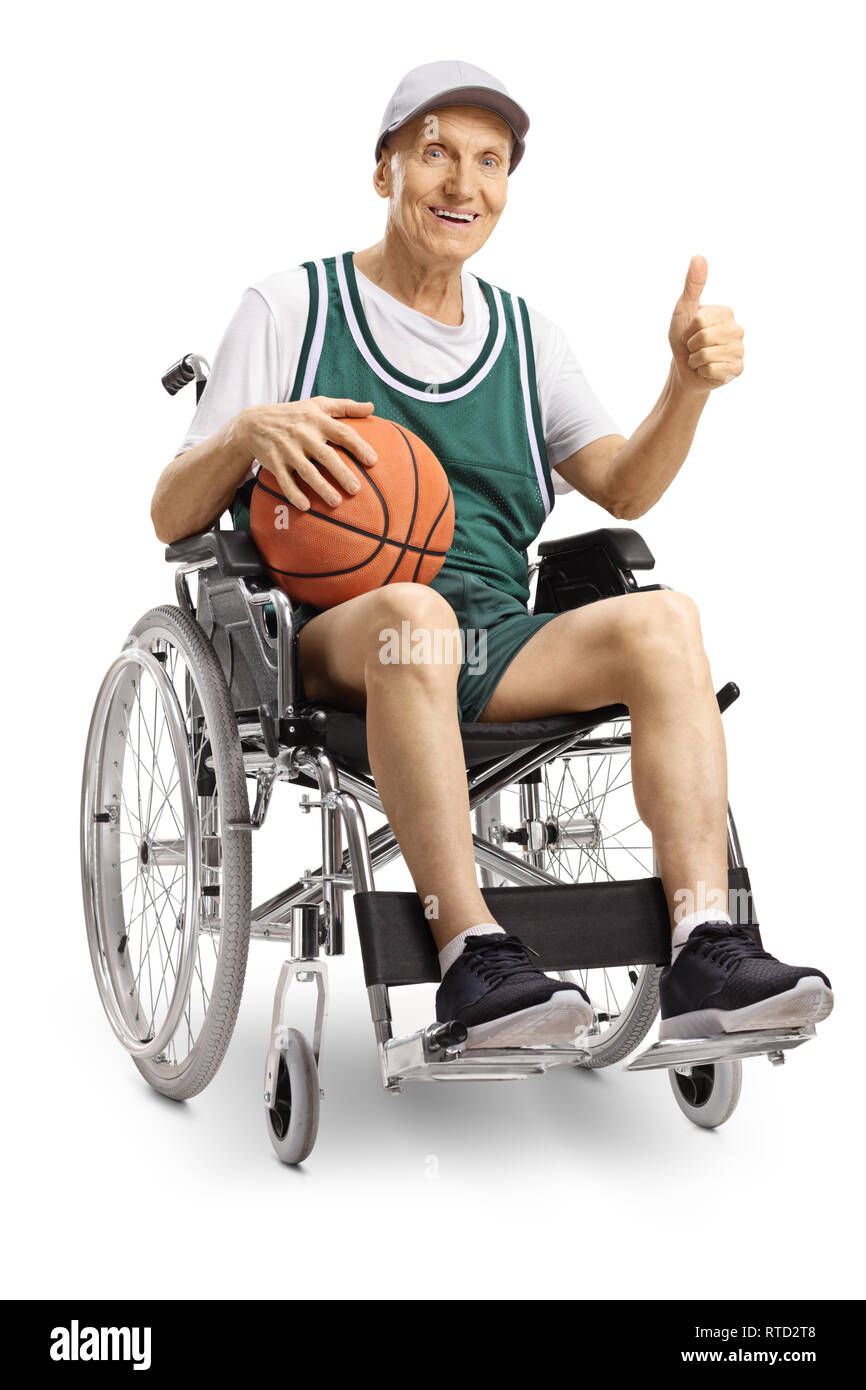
column 446, row 178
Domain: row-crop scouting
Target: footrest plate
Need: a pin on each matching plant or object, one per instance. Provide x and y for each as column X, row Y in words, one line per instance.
column 727, row 1047
column 408, row 1059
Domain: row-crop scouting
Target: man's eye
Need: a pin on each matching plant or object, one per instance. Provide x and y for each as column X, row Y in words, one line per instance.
column 490, row 161
column 431, row 153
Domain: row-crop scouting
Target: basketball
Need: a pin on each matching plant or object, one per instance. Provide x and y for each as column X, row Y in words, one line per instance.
column 397, row 528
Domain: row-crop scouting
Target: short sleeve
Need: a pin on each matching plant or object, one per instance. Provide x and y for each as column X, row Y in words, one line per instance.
column 571, row 414
column 245, row 369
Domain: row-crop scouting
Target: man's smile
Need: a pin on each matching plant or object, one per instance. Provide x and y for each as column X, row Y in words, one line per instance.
column 454, row 217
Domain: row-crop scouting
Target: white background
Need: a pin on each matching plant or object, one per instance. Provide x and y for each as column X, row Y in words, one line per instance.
column 160, row 159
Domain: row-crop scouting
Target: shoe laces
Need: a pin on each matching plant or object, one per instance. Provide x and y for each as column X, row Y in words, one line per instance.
column 496, row 960
column 729, row 946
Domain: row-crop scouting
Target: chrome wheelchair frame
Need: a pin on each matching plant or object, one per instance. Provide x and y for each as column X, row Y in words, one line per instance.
column 268, row 734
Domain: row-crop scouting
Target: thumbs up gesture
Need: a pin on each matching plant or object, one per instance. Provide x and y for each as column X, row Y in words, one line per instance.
column 705, row 339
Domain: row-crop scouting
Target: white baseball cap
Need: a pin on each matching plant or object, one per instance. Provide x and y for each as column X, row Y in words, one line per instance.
column 453, row 84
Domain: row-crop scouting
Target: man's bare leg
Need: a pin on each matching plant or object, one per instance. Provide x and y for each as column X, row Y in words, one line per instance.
column 413, row 739
column 643, row 650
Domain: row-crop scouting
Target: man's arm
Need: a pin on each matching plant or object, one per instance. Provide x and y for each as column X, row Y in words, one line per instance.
column 294, row 439
column 588, row 470
column 628, row 476
column 197, row 486
column 216, row 454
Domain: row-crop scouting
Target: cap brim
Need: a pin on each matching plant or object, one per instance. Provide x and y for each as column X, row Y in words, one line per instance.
column 489, row 98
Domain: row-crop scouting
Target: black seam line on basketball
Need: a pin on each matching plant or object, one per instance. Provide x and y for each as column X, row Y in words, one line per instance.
column 411, row 527
column 334, row 521
column 429, row 534
column 331, row 574
column 348, row 526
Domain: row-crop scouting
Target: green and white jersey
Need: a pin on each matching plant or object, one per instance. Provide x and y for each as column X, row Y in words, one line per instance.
column 487, row 395
column 484, row 426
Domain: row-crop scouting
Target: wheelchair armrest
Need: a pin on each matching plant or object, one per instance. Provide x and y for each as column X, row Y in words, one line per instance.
column 575, row 570
column 235, row 554
column 626, row 549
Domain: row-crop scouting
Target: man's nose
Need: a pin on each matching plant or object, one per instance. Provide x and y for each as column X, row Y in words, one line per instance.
column 461, row 181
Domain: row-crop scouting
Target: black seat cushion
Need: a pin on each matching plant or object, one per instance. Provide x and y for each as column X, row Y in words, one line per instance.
column 346, row 735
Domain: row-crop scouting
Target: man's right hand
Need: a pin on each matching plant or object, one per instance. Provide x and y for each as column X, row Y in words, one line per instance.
column 293, row 440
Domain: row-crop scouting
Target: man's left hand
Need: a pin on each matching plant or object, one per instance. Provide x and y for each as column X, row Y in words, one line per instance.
column 706, row 340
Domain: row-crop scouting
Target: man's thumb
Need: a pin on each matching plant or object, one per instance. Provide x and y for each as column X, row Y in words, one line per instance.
column 696, row 278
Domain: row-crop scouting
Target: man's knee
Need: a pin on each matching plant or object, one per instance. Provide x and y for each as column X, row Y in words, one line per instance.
column 412, row 624
column 663, row 622
column 417, row 602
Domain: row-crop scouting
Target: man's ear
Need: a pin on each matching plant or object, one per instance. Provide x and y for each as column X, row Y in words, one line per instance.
column 382, row 173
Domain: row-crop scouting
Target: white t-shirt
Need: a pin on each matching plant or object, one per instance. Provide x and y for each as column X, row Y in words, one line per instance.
column 257, row 359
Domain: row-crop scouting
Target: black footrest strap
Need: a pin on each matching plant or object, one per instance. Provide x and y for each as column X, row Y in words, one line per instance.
column 578, row 926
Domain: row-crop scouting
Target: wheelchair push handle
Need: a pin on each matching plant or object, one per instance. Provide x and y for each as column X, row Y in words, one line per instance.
column 191, row 367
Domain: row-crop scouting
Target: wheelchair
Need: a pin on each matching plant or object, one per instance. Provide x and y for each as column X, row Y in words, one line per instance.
column 202, row 701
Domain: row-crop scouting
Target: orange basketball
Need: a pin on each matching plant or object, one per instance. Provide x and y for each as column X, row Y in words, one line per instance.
column 397, row 528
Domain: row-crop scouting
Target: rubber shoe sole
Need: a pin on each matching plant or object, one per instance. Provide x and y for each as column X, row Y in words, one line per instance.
column 561, row 1021
column 809, row 1001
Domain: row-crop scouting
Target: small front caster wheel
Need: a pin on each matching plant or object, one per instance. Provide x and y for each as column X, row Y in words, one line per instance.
column 708, row 1094
column 293, row 1115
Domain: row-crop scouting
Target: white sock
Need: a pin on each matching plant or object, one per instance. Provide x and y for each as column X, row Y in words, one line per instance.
column 449, row 953
column 685, row 927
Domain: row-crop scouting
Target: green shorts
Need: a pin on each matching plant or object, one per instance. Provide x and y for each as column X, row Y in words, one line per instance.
column 493, row 624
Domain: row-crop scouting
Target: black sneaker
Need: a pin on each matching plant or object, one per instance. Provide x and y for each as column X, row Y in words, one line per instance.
column 722, row 982
column 505, row 1001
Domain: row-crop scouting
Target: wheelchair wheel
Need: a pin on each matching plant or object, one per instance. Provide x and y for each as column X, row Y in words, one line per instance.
column 293, row 1118
column 167, row 879
column 708, row 1095
column 593, row 834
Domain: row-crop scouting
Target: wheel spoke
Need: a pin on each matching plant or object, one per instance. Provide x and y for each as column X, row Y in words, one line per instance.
column 156, row 768
column 149, row 938
column 152, row 823
column 166, row 961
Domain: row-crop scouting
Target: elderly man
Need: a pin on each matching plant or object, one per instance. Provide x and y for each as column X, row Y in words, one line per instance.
column 404, row 330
